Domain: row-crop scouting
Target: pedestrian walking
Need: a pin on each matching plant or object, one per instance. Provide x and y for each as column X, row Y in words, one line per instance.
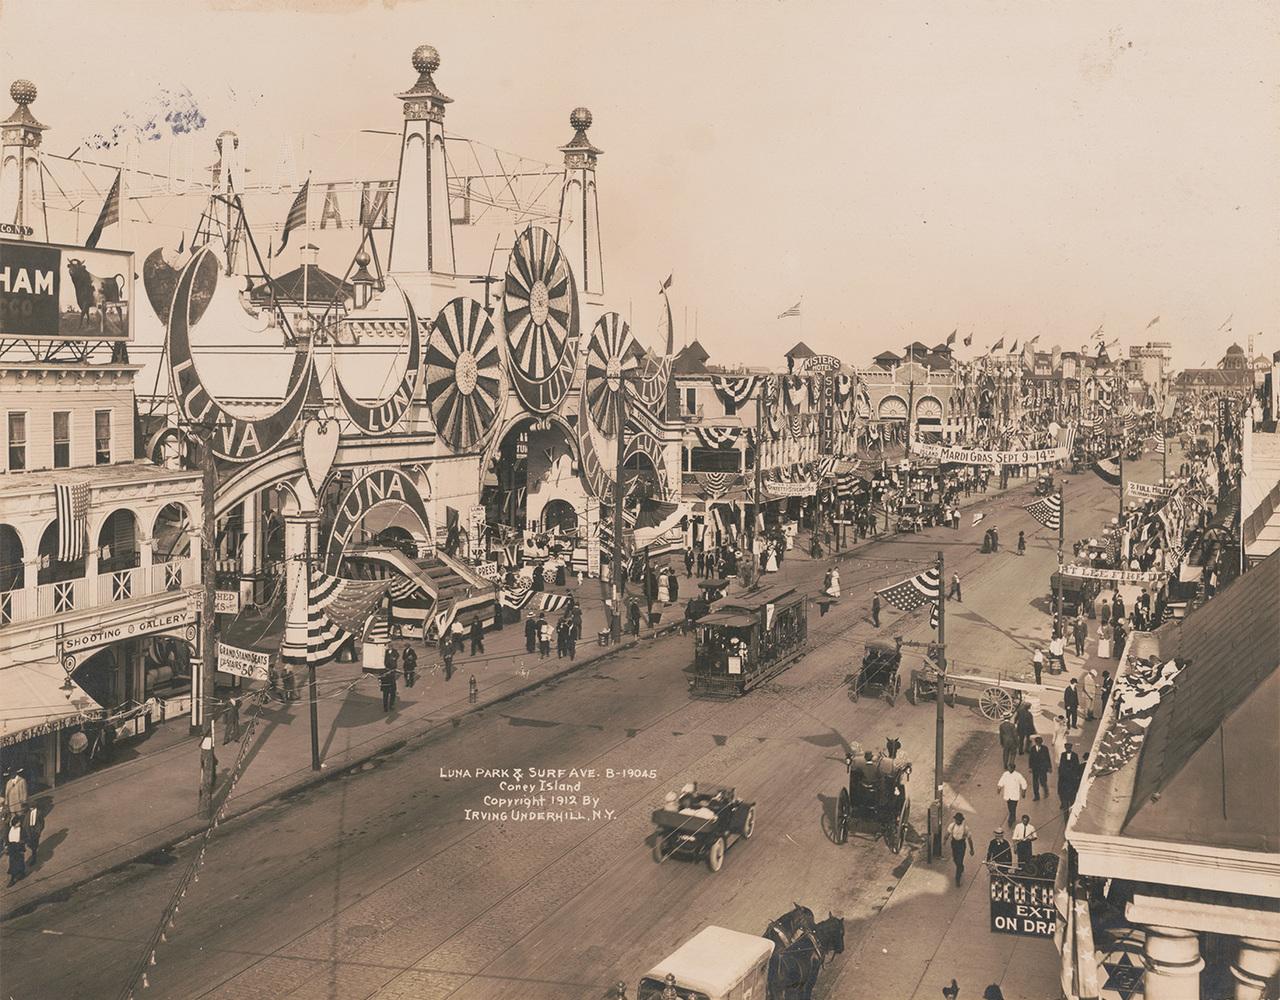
column 1071, row 704
column 1012, row 787
column 15, row 847
column 999, row 851
column 688, row 563
column 571, row 638
column 32, row 828
column 15, row 794
column 544, row 637
column 1104, row 692
column 1089, row 688
column 1026, row 724
column 1037, row 663
column 1059, row 735
column 1040, row 763
column 1104, row 613
column 1024, row 838
column 477, row 637
column 459, row 635
column 530, row 633
column 1068, row 776
column 875, row 610
column 231, row 721
column 1057, row 653
column 290, row 684
column 1022, row 544
column 954, row 591
column 633, row 612
column 409, row 663
column 1079, row 632
column 473, row 690
column 958, row 836
column 1008, row 742
column 1117, row 607
column 388, row 685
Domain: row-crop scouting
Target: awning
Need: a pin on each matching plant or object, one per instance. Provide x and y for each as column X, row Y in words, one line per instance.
column 33, row 701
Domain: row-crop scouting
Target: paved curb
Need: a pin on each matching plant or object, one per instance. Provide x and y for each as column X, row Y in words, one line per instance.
column 163, row 841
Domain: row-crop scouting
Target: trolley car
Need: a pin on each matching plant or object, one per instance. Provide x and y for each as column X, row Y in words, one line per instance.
column 748, row 640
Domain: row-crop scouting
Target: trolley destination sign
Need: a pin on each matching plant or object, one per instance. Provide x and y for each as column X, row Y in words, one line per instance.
column 1021, row 906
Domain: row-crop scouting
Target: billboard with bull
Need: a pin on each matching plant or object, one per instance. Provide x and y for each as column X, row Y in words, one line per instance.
column 50, row 291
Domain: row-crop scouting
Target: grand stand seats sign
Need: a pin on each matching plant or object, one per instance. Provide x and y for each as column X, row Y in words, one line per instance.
column 53, row 292
column 1021, row 905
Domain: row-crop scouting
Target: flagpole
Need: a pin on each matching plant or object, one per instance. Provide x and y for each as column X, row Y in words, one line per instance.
column 1062, row 531
column 311, row 663
column 939, row 719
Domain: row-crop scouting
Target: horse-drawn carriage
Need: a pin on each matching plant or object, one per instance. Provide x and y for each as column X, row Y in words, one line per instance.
column 1044, row 486
column 702, row 823
column 748, row 639
column 720, row 964
column 878, row 791
column 879, row 669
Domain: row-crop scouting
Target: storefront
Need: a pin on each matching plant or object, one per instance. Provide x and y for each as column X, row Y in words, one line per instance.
column 41, row 704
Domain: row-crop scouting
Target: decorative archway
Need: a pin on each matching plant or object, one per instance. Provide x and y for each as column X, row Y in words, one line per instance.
column 559, row 515
column 12, row 572
column 892, row 408
column 929, row 409
column 377, row 488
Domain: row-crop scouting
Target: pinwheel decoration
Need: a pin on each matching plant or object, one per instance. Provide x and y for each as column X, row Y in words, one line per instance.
column 540, row 316
column 610, row 361
column 464, row 374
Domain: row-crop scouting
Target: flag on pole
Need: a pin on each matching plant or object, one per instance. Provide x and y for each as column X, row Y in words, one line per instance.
column 297, row 216
column 1097, row 334
column 666, row 284
column 997, row 346
column 978, row 518
column 793, row 311
column 72, row 505
column 968, row 340
column 109, row 215
column 1047, row 511
column 1159, row 446
column 1153, row 323
column 1013, row 348
column 951, row 338
column 914, row 591
column 933, row 615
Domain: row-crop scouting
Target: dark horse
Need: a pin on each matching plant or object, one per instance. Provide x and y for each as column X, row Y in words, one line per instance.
column 794, row 969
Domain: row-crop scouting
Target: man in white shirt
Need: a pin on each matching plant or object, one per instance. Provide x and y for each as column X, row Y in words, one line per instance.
column 1012, row 787
column 1024, row 836
column 1057, row 653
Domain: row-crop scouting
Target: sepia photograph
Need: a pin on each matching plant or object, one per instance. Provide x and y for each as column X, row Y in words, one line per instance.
column 403, row 597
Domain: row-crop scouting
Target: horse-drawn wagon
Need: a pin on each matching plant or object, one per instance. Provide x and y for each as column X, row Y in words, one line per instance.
column 879, row 670
column 702, row 823
column 878, row 791
column 747, row 640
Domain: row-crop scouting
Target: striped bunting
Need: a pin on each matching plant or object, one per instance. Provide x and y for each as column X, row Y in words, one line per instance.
column 735, row 390
column 1159, row 445
column 1047, row 511
column 552, row 603
column 1108, row 469
column 718, row 437
column 336, row 610
column 72, row 503
column 843, row 389
column 714, row 485
column 796, row 390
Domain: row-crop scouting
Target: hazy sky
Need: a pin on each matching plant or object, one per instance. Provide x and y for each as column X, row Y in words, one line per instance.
column 907, row 168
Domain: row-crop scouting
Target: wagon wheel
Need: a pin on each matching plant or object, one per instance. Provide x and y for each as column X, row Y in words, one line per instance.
column 899, row 832
column 913, row 692
column 843, row 809
column 995, row 703
column 715, row 856
column 749, row 824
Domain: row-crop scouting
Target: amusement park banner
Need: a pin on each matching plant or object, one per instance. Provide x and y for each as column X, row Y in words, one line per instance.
column 974, row 456
column 791, row 489
column 243, row 662
column 1132, row 577
column 1145, row 492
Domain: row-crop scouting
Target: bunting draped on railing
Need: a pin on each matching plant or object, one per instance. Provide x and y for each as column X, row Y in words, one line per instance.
column 718, row 437
column 336, row 610
column 714, row 485
column 735, row 390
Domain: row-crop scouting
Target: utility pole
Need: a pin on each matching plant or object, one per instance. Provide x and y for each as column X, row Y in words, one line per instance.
column 757, row 514
column 940, row 722
column 202, row 686
column 619, row 492
column 1062, row 531
column 311, row 663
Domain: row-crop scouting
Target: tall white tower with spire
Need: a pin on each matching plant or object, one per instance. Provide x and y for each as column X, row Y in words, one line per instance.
column 578, row 228
column 422, row 234
column 21, row 202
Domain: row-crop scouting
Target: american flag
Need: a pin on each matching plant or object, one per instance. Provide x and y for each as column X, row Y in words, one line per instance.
column 978, row 518
column 109, row 216
column 793, row 311
column 1047, row 511
column 297, row 216
column 913, row 592
column 1159, row 445
column 72, row 503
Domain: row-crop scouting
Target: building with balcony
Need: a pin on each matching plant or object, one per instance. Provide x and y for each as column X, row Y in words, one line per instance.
column 97, row 607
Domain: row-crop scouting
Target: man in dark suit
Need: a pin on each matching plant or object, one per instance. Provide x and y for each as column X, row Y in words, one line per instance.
column 1071, row 703
column 1041, row 764
column 1068, row 778
column 1000, row 852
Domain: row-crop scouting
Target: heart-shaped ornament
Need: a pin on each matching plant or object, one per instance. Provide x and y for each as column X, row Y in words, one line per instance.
column 160, row 278
column 319, row 449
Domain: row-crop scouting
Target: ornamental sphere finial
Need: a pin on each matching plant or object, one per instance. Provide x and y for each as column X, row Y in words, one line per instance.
column 580, row 118
column 426, row 59
column 23, row 92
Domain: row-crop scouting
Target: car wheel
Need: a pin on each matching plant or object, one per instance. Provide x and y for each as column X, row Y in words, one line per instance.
column 715, row 856
column 749, row 824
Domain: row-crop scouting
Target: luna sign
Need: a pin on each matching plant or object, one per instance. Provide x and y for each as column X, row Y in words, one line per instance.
column 381, row 486
column 236, row 439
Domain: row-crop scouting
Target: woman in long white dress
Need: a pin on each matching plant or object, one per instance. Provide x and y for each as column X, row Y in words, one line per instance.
column 771, row 562
column 664, row 588
column 833, row 582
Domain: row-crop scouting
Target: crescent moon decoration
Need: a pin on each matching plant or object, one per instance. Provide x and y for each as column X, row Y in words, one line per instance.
column 609, row 362
column 540, row 319
column 238, row 439
column 655, row 374
column 644, row 443
column 597, row 477
column 382, row 417
column 464, row 374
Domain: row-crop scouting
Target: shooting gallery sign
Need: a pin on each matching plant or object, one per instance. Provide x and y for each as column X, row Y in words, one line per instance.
column 375, row 488
column 1022, row 906
column 54, row 292
column 975, row 456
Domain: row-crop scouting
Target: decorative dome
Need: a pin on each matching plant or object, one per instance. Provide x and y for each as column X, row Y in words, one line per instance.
column 580, row 118
column 426, row 59
column 1233, row 349
column 24, row 92
column 362, row 259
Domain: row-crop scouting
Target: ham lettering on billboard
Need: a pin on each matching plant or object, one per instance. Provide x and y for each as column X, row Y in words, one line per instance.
column 49, row 291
